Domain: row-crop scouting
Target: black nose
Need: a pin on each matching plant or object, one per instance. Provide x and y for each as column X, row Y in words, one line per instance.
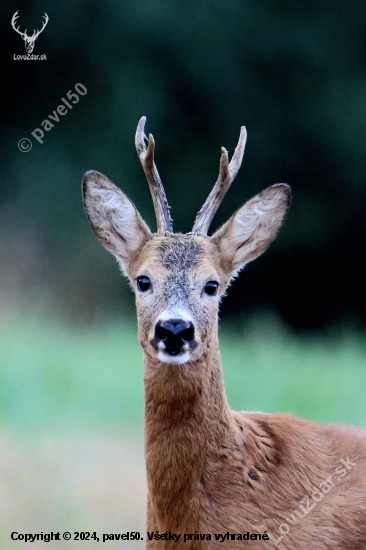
column 174, row 333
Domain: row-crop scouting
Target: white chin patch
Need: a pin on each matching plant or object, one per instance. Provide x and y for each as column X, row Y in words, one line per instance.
column 167, row 358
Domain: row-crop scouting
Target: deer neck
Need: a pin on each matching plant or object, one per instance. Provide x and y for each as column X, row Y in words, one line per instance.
column 187, row 417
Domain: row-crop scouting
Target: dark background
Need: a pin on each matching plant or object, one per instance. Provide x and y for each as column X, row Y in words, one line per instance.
column 294, row 73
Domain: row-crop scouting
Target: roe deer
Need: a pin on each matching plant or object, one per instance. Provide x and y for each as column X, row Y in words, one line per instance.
column 218, row 477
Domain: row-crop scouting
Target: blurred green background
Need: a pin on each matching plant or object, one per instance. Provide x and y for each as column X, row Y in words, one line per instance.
column 293, row 324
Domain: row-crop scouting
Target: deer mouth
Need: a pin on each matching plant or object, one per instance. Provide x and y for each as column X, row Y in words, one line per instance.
column 168, row 352
column 174, row 352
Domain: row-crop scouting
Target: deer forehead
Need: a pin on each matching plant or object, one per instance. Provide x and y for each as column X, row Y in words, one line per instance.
column 178, row 266
column 178, row 261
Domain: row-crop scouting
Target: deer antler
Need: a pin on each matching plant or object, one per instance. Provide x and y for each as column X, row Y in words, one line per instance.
column 146, row 156
column 13, row 21
column 227, row 175
column 37, row 32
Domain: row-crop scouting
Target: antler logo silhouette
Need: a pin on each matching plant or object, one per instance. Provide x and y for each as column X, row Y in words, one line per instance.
column 29, row 40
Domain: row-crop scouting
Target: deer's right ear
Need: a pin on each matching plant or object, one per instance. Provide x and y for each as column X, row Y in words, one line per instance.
column 250, row 231
column 114, row 219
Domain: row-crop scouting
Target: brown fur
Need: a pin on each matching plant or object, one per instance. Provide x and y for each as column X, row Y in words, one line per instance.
column 206, row 474
column 211, row 470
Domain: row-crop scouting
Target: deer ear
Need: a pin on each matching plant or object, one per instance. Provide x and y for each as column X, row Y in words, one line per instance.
column 250, row 231
column 114, row 218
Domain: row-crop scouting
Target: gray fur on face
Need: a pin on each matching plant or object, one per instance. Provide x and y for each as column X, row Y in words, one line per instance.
column 179, row 270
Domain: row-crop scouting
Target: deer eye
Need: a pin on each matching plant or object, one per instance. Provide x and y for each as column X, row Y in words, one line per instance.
column 211, row 288
column 143, row 283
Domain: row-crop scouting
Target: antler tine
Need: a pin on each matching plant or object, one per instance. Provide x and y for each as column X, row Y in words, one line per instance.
column 227, row 174
column 146, row 156
column 37, row 32
column 13, row 21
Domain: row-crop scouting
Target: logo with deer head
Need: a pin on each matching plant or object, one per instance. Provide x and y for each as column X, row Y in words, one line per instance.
column 28, row 40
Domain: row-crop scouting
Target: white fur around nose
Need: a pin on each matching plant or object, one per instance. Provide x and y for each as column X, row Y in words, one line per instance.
column 184, row 315
column 175, row 313
column 179, row 359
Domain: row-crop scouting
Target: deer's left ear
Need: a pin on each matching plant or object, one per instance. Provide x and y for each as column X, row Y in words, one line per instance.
column 250, row 231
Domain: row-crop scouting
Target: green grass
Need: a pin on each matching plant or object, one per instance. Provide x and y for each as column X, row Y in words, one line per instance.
column 318, row 378
column 55, row 375
column 71, row 406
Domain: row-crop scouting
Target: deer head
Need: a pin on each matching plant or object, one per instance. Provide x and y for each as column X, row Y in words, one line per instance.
column 179, row 279
column 29, row 40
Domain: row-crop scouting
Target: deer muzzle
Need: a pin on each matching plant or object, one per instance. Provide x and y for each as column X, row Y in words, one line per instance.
column 174, row 337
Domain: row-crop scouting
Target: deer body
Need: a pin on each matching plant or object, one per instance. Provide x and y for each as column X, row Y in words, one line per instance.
column 210, row 470
column 213, row 470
